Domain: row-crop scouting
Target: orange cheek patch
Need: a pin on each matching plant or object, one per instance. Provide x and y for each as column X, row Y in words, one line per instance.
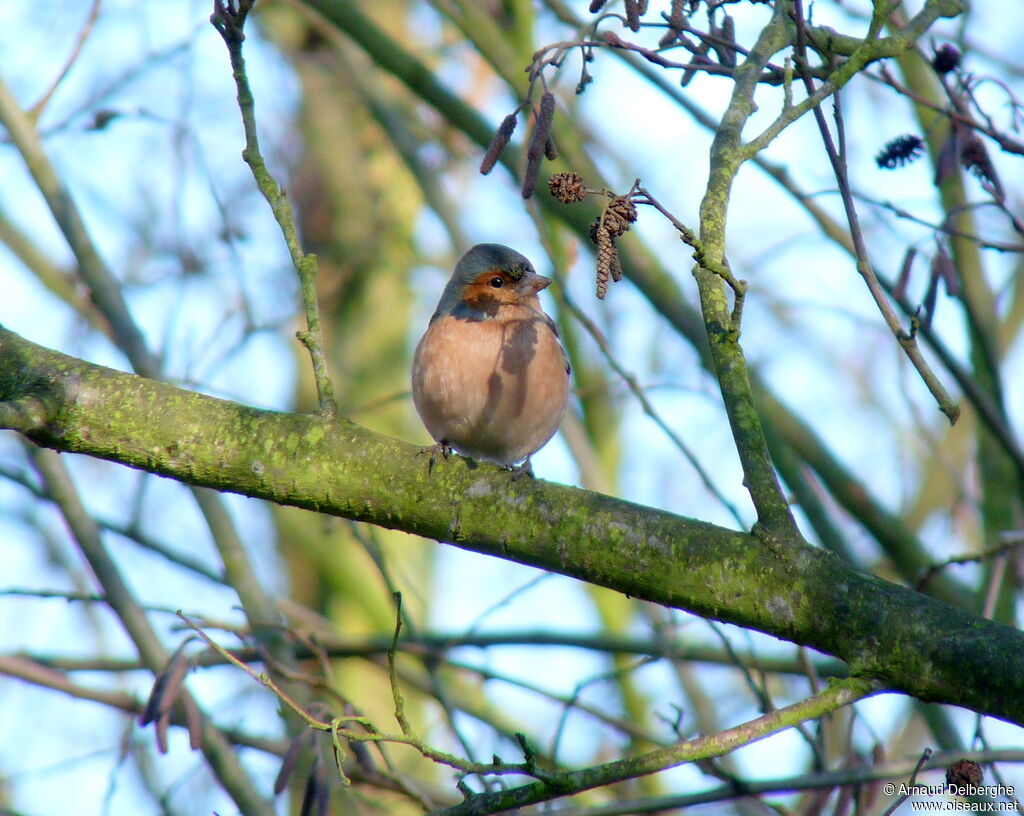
column 484, row 296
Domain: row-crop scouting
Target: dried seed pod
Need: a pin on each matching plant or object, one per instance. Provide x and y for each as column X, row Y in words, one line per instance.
column 900, row 151
column 615, row 222
column 624, row 209
column 964, row 772
column 501, row 139
column 615, row 225
column 946, row 59
column 567, row 187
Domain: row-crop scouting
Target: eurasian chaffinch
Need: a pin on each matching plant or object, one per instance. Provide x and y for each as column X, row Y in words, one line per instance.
column 489, row 376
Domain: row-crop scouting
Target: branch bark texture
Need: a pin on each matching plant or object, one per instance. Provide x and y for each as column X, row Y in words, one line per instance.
column 904, row 640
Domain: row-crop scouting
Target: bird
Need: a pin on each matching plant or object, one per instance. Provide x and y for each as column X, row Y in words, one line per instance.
column 490, row 378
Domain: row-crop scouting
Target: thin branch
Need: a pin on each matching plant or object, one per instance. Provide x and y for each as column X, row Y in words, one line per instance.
column 44, row 676
column 229, row 20
column 899, row 800
column 215, row 747
column 435, row 646
column 907, row 340
column 841, row 693
column 648, row 408
column 774, row 516
column 104, row 288
column 90, row 21
column 892, row 769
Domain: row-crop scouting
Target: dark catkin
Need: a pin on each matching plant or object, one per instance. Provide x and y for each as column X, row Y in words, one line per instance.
column 945, row 270
column 726, row 50
column 530, row 176
column 900, row 151
column 538, row 141
column 595, row 5
column 676, row 24
column 616, row 267
column 167, row 686
column 700, row 57
column 605, row 256
column 974, row 156
column 633, row 15
column 193, row 723
column 290, row 760
column 609, row 265
column 669, row 37
column 900, row 289
column 500, row 141
column 542, row 127
column 567, row 187
column 930, row 298
column 945, row 59
column 550, row 151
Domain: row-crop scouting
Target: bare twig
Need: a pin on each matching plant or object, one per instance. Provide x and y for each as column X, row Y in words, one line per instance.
column 906, row 339
column 90, row 21
column 229, row 19
column 899, row 800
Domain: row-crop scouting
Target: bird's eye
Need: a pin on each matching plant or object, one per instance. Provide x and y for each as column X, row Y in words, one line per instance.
column 497, row 283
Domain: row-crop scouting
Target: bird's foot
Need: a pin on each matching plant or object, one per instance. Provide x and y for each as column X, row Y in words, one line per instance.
column 442, row 448
column 524, row 468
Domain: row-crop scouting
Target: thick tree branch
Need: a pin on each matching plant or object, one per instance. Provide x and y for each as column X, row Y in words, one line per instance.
column 909, row 642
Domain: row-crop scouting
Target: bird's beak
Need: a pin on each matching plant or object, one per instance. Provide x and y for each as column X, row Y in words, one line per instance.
column 531, row 283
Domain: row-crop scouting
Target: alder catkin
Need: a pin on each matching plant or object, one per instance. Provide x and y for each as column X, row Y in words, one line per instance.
column 542, row 127
column 535, row 152
column 502, row 136
column 607, row 260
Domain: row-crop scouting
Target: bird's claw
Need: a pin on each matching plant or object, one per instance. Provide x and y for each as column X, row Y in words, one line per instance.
column 524, row 468
column 441, row 447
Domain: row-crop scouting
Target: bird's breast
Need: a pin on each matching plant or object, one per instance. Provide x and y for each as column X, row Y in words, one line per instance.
column 494, row 389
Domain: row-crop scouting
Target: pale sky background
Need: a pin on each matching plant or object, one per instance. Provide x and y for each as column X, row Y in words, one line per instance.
column 171, row 161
